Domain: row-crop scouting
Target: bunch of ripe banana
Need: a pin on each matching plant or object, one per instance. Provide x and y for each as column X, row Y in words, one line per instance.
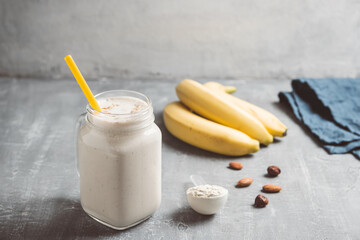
column 210, row 118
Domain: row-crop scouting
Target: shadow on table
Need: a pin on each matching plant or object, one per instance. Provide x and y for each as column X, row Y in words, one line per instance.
column 187, row 217
column 291, row 115
column 57, row 218
column 178, row 145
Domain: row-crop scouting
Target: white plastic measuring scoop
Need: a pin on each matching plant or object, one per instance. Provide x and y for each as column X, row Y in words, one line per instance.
column 206, row 199
column 197, row 180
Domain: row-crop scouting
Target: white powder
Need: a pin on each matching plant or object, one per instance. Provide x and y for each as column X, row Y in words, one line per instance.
column 206, row 191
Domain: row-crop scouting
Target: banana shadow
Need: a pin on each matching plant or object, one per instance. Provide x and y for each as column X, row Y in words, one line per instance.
column 172, row 142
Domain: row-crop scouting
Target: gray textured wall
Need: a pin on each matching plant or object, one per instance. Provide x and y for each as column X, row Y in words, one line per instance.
column 174, row 39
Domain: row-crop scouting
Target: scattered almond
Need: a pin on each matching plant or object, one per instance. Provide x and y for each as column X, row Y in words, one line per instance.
column 261, row 201
column 273, row 171
column 271, row 188
column 236, row 165
column 245, row 182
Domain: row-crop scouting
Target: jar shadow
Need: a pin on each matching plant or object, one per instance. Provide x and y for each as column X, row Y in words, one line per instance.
column 55, row 218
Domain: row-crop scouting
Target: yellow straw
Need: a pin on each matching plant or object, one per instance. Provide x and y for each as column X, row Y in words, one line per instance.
column 82, row 83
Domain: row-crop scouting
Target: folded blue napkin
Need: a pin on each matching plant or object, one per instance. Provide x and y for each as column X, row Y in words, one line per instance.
column 330, row 108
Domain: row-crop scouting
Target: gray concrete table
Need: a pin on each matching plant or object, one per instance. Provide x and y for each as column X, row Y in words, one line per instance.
column 39, row 186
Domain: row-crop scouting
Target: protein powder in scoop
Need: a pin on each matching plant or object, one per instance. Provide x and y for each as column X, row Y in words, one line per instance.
column 207, row 199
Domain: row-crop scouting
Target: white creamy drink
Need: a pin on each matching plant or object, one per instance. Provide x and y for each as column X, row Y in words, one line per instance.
column 119, row 160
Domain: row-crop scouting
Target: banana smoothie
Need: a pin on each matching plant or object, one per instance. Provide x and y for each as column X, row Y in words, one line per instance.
column 119, row 160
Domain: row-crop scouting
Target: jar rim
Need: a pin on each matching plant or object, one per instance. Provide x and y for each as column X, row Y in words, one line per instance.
column 128, row 93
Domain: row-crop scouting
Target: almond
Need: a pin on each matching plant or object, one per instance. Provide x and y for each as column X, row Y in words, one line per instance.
column 271, row 188
column 261, row 201
column 236, row 165
column 273, row 171
column 245, row 182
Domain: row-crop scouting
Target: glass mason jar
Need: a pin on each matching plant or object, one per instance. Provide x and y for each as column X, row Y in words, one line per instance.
column 119, row 163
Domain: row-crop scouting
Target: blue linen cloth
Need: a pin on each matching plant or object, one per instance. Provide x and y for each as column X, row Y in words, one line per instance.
column 330, row 109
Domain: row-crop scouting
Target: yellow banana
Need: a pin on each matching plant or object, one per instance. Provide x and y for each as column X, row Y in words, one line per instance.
column 228, row 89
column 208, row 104
column 274, row 126
column 205, row 134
